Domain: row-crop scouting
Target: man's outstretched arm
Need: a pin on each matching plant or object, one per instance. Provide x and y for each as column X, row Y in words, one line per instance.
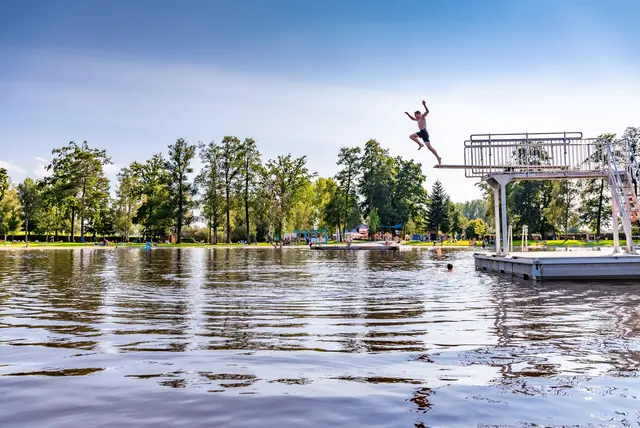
column 425, row 107
column 410, row 117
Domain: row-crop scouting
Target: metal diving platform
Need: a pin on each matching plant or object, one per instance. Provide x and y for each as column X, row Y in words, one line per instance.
column 499, row 159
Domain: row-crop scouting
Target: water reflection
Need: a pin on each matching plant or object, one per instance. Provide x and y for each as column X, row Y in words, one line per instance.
column 295, row 324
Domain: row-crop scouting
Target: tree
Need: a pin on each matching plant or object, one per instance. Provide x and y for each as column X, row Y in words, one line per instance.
column 561, row 212
column 79, row 180
column 377, row 181
column 409, row 195
column 31, row 203
column 250, row 163
column 4, row 182
column 324, row 189
column 153, row 214
column 472, row 209
column 210, row 182
column 181, row 191
column 9, row 213
column 303, row 214
column 595, row 195
column 455, row 217
column 230, row 168
column 332, row 211
column 349, row 160
column 128, row 201
column 284, row 179
column 374, row 222
column 438, row 209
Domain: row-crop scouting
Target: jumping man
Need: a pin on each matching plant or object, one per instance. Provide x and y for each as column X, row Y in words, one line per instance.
column 422, row 133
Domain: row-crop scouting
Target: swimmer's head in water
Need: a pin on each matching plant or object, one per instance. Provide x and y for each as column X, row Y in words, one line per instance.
column 449, row 267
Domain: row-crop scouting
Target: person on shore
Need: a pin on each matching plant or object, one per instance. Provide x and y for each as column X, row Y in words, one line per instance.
column 421, row 118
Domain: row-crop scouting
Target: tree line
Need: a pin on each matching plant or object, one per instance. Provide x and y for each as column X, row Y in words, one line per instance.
column 236, row 195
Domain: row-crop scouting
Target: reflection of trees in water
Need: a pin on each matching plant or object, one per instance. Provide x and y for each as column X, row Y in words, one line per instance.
column 64, row 289
column 594, row 325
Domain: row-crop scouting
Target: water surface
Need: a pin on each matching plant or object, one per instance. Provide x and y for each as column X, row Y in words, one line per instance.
column 295, row 338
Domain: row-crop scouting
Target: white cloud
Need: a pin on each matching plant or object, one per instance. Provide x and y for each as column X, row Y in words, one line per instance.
column 12, row 168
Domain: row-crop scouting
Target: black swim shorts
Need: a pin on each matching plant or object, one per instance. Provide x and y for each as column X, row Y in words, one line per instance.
column 424, row 135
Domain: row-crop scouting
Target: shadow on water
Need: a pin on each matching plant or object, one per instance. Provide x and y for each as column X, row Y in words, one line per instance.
column 391, row 334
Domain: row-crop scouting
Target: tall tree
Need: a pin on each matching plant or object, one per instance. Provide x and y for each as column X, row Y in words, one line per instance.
column 31, row 203
column 377, row 181
column 285, row 177
column 181, row 191
column 562, row 212
column 324, row 188
column 249, row 167
column 4, row 182
column 332, row 211
column 9, row 213
column 153, row 214
column 230, row 168
column 596, row 193
column 455, row 220
column 350, row 163
column 128, row 200
column 211, row 184
column 409, row 195
column 78, row 176
column 438, row 209
column 473, row 209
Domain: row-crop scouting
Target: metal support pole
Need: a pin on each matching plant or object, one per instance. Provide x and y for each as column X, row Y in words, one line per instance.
column 496, row 208
column 614, row 220
column 505, row 238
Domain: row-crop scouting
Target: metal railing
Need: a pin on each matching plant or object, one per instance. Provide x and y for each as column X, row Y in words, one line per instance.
column 533, row 153
column 621, row 200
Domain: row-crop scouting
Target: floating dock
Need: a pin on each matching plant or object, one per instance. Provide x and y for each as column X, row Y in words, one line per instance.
column 562, row 265
column 367, row 247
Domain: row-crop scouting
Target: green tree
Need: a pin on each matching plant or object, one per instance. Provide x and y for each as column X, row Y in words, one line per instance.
column 211, row 184
column 303, row 214
column 377, row 181
column 79, row 180
column 374, row 222
column 249, row 167
column 409, row 195
column 128, row 201
column 181, row 191
column 4, row 182
column 284, row 178
column 10, row 213
column 562, row 212
column 332, row 211
column 480, row 228
column 473, row 209
column 323, row 189
column 31, row 203
column 230, row 168
column 438, row 209
column 455, row 220
column 153, row 214
column 350, row 163
column 595, row 207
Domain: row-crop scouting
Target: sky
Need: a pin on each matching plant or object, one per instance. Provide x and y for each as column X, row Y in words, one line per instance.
column 309, row 77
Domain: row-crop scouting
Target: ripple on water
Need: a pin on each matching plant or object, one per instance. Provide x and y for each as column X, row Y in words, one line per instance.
column 300, row 338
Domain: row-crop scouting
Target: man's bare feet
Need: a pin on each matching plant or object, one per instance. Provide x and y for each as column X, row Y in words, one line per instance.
column 439, row 160
column 420, row 146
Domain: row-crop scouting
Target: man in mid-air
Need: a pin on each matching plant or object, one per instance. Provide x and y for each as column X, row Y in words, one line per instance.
column 421, row 118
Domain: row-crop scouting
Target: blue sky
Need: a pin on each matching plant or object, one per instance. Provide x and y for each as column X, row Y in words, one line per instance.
column 308, row 77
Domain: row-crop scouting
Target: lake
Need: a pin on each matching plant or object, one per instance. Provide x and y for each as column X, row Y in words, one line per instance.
column 295, row 338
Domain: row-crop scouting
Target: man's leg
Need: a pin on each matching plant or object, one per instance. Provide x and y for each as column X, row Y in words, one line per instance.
column 414, row 137
column 434, row 152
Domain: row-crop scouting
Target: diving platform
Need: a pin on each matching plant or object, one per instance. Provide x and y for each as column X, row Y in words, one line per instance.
column 584, row 265
column 500, row 159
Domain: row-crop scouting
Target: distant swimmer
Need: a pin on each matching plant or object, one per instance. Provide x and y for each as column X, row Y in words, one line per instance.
column 449, row 267
column 421, row 118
